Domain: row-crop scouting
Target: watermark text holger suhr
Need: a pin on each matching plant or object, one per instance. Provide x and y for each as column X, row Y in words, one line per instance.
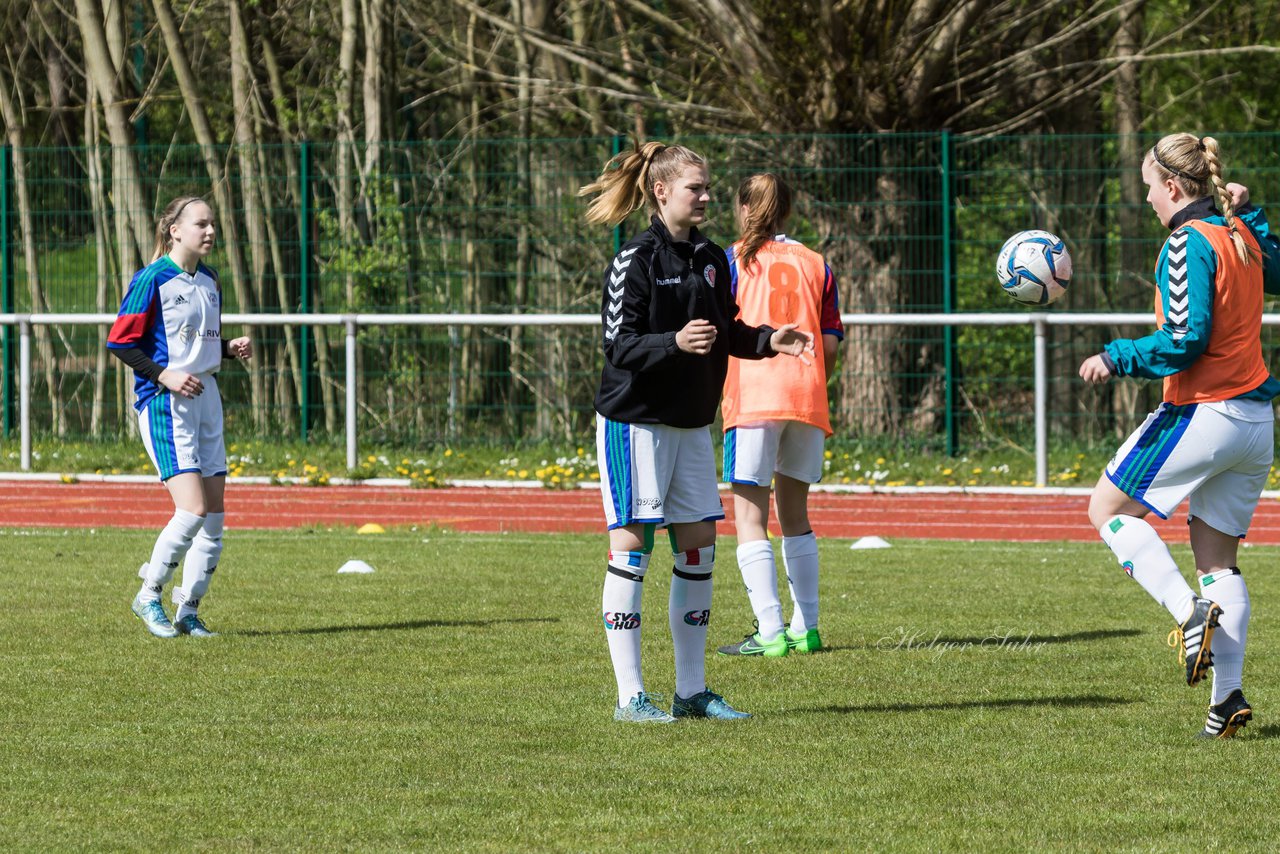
column 1004, row 640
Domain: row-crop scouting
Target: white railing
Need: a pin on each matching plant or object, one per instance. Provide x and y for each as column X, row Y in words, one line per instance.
column 1040, row 321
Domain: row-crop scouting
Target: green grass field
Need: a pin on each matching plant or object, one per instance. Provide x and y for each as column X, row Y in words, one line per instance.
column 460, row 698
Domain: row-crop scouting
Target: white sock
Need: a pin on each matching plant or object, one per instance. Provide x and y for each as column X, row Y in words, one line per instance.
column 800, row 557
column 689, row 613
column 760, row 575
column 623, row 584
column 1227, row 588
column 1147, row 560
column 171, row 545
column 197, row 569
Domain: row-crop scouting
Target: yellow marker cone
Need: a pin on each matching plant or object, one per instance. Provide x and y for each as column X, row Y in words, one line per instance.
column 370, row 528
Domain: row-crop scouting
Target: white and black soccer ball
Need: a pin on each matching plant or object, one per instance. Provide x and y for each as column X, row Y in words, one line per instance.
column 1034, row 267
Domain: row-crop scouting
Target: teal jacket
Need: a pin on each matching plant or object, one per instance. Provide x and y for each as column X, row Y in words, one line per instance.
column 1185, row 333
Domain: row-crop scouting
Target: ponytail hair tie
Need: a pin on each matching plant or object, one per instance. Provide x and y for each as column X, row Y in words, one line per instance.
column 1200, row 144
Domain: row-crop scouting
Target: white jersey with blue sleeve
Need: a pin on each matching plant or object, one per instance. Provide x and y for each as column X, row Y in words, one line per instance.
column 172, row 316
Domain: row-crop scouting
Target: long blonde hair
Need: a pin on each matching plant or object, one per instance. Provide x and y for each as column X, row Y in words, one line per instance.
column 767, row 199
column 169, row 216
column 1195, row 165
column 627, row 180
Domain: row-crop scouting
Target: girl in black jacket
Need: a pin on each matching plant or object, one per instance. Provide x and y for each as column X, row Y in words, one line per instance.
column 670, row 324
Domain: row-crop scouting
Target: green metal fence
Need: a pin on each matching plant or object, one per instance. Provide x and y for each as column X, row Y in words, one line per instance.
column 909, row 223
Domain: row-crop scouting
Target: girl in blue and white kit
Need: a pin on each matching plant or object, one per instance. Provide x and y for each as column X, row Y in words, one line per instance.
column 169, row 331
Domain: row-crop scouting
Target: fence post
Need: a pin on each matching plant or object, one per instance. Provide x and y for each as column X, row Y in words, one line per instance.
column 24, row 389
column 6, row 292
column 350, row 321
column 1042, row 401
column 948, row 300
column 304, row 282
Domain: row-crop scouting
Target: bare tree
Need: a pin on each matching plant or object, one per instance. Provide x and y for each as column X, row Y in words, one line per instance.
column 14, row 127
column 194, row 103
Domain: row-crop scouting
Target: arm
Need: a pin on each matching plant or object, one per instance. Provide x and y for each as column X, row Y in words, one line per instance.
column 832, row 326
column 1186, row 293
column 136, row 318
column 629, row 344
column 830, row 347
column 1256, row 220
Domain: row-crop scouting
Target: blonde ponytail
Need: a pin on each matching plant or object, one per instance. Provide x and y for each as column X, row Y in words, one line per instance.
column 627, row 181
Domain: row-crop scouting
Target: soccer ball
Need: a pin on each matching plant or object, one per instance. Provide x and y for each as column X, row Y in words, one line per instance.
column 1034, row 267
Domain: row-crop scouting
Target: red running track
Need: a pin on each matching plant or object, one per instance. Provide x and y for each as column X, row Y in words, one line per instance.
column 926, row 516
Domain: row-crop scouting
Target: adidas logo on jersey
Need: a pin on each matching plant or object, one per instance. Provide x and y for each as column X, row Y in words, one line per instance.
column 179, row 300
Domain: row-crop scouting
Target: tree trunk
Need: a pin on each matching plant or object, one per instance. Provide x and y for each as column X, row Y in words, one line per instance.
column 133, row 220
column 99, row 206
column 1134, row 269
column 44, row 342
column 221, row 190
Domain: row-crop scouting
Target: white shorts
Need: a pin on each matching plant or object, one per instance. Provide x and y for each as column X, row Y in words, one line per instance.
column 1197, row 450
column 655, row 474
column 754, row 452
column 185, row 434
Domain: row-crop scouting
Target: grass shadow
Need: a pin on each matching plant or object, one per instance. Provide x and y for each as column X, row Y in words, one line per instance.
column 913, row 640
column 401, row 626
column 1268, row 731
column 1016, row 702
column 1020, row 637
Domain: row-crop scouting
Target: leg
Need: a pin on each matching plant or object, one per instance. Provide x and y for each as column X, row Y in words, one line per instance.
column 174, row 541
column 800, row 558
column 689, row 614
column 759, row 573
column 1221, row 581
column 689, row 608
column 629, row 549
column 1121, row 522
column 202, row 560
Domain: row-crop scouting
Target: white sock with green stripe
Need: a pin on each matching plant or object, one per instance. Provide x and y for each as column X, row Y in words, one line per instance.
column 689, row 614
column 1146, row 558
column 621, row 602
column 171, row 545
column 800, row 557
column 1227, row 588
column 760, row 575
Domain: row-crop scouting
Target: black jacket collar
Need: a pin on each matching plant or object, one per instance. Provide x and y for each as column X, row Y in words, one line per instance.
column 1201, row 208
column 683, row 248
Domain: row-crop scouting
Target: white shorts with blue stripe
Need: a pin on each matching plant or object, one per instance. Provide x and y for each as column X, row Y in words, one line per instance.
column 1219, row 454
column 655, row 474
column 753, row 453
column 185, row 434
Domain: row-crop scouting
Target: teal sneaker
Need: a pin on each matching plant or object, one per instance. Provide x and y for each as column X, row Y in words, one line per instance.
column 153, row 617
column 194, row 626
column 753, row 644
column 708, row 704
column 803, row 642
column 641, row 710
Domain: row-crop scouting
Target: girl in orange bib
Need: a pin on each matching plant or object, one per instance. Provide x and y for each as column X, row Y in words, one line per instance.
column 776, row 418
column 1212, row 437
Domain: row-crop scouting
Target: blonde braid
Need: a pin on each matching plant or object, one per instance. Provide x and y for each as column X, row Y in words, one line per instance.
column 1210, row 146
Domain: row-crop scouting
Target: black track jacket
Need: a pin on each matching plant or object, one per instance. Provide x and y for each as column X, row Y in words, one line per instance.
column 652, row 289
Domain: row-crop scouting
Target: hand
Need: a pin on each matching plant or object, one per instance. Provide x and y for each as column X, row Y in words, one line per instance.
column 1094, row 370
column 241, row 348
column 1239, row 195
column 181, row 382
column 790, row 340
column 696, row 337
